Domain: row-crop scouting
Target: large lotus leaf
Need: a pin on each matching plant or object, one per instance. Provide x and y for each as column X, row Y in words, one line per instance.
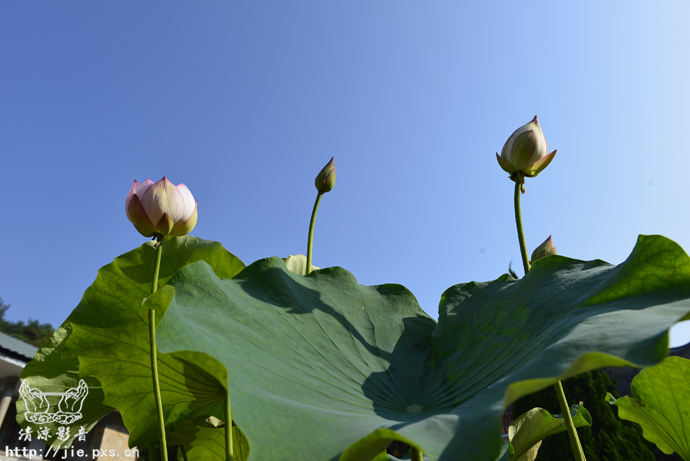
column 110, row 337
column 529, row 429
column 660, row 403
column 50, row 374
column 317, row 363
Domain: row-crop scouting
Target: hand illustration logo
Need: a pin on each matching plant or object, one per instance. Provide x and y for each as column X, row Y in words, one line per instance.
column 38, row 404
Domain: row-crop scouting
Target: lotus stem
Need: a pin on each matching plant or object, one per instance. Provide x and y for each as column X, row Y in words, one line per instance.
column 228, row 429
column 310, row 241
column 184, row 453
column 518, row 223
column 154, row 358
column 565, row 410
column 415, row 454
column 578, row 453
column 157, row 264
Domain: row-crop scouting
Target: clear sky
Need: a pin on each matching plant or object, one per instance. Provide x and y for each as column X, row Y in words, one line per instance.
column 245, row 102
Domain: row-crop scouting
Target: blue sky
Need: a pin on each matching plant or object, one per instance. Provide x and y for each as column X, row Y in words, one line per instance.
column 245, row 102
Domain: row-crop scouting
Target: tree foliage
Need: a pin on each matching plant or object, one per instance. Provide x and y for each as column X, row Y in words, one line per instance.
column 608, row 439
column 33, row 332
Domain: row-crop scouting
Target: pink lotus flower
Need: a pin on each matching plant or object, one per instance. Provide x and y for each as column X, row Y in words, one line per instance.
column 161, row 208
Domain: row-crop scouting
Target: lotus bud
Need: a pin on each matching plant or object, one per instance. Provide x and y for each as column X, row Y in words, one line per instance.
column 525, row 153
column 545, row 249
column 161, row 208
column 326, row 178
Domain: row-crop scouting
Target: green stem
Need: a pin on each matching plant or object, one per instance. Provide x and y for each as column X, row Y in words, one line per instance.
column 565, row 410
column 311, row 230
column 228, row 429
column 184, row 453
column 152, row 452
column 415, row 454
column 578, row 453
column 154, row 359
column 156, row 384
column 157, row 264
column 518, row 224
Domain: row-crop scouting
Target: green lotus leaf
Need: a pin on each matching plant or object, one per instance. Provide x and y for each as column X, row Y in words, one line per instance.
column 106, row 341
column 528, row 430
column 205, row 442
column 660, row 403
column 49, row 373
column 318, row 363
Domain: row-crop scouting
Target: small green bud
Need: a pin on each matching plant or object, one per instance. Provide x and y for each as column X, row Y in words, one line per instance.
column 525, row 152
column 545, row 249
column 325, row 180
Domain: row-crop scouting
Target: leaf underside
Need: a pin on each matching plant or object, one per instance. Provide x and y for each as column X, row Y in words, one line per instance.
column 317, row 363
column 321, row 367
column 105, row 340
